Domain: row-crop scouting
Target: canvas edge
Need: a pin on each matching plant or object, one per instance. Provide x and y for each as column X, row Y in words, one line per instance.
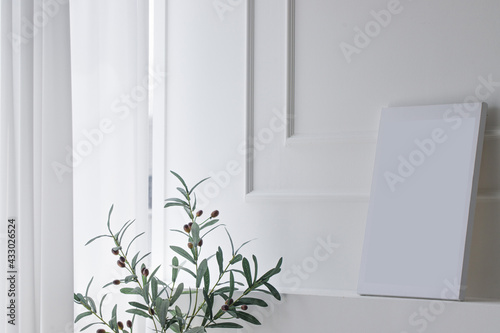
column 472, row 206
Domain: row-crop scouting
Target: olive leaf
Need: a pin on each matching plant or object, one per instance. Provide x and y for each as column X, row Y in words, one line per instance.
column 155, row 299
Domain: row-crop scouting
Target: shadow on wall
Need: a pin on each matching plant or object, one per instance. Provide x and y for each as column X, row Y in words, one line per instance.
column 484, row 264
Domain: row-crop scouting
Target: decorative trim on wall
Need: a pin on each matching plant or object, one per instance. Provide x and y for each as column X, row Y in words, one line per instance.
column 291, row 138
column 492, row 134
column 483, row 195
column 488, row 195
column 287, row 196
column 358, row 137
column 250, row 126
column 334, row 137
column 290, row 79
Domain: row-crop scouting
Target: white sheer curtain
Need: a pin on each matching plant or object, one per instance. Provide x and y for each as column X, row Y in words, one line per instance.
column 111, row 83
column 74, row 139
column 35, row 98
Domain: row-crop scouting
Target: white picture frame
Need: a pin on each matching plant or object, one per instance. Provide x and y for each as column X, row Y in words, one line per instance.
column 422, row 201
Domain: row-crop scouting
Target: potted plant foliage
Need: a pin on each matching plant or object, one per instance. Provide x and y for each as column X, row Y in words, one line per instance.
column 220, row 303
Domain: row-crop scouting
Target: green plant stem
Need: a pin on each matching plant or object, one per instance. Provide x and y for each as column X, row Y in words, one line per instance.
column 196, row 267
column 99, row 317
column 130, row 269
column 211, row 291
column 171, row 292
column 193, row 315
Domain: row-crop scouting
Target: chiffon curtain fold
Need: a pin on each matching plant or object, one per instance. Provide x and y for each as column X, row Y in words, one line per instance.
column 110, row 156
column 35, row 97
column 74, row 140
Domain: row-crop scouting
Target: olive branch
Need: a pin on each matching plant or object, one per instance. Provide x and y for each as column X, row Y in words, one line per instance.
column 156, row 299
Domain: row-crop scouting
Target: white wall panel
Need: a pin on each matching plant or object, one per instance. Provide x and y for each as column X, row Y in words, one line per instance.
column 309, row 179
column 337, row 98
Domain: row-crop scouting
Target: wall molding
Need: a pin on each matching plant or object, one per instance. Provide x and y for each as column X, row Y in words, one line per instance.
column 250, row 95
column 333, row 138
column 483, row 195
column 488, row 195
column 290, row 75
column 292, row 196
column 367, row 136
column 492, row 133
column 291, row 138
column 358, row 136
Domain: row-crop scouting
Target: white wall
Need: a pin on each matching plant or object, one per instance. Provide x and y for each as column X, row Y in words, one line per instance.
column 308, row 180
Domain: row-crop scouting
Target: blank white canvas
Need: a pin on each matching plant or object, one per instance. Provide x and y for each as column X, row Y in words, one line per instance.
column 422, row 201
